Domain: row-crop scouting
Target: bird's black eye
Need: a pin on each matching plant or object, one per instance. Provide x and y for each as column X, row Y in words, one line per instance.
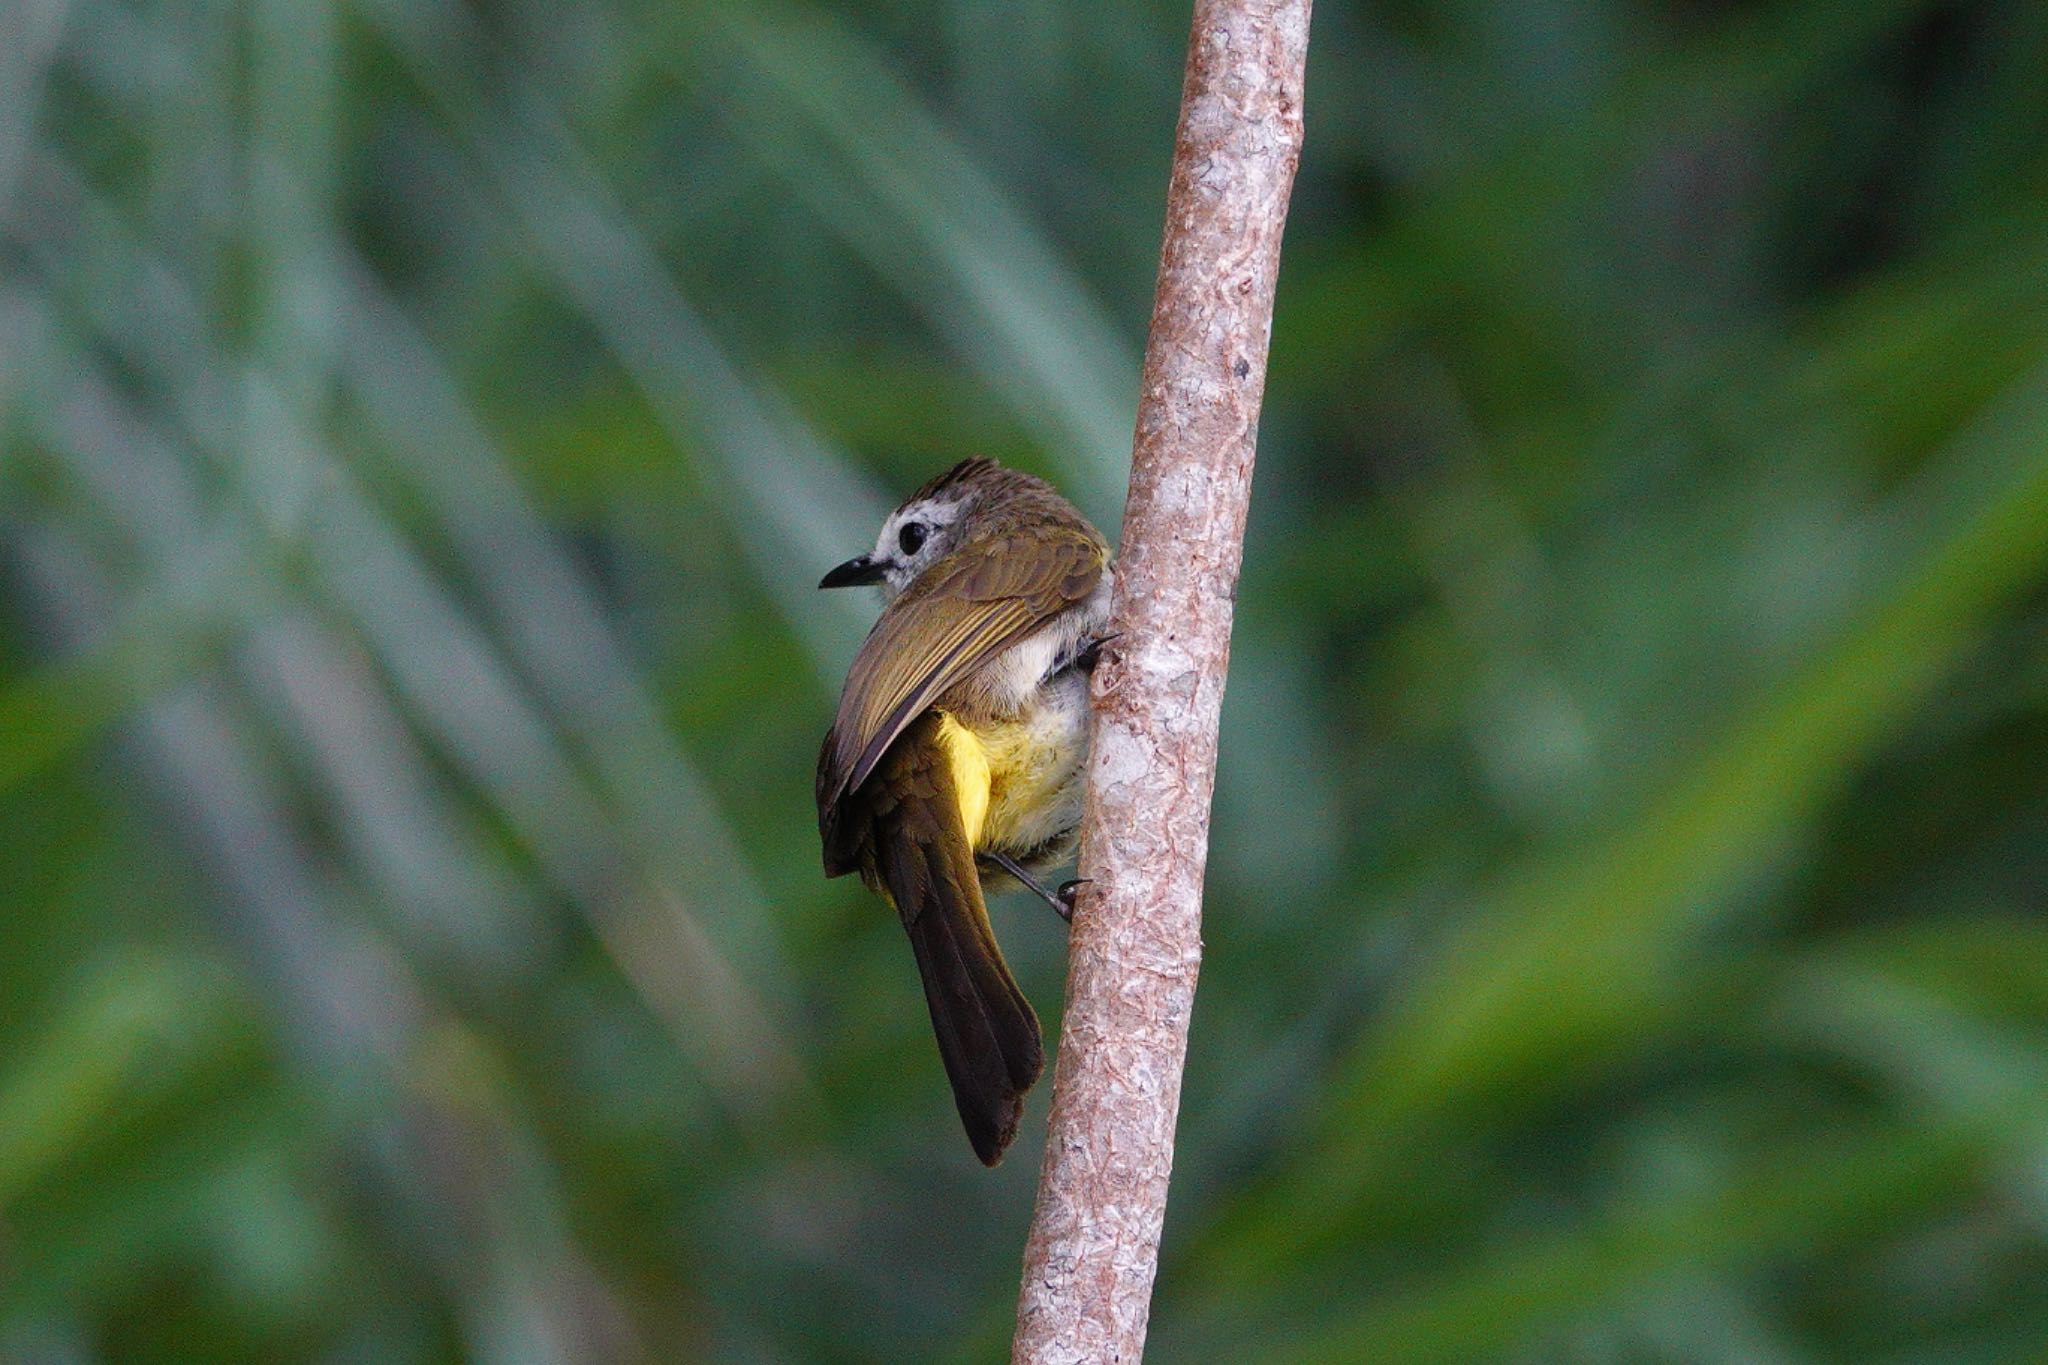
column 911, row 537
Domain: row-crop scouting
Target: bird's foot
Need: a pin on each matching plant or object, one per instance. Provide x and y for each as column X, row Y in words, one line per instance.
column 1090, row 652
column 1063, row 899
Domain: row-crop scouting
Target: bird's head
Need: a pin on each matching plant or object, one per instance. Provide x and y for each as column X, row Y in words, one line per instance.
column 931, row 523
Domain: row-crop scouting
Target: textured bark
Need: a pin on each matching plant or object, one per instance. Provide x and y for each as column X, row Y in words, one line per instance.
column 1136, row 943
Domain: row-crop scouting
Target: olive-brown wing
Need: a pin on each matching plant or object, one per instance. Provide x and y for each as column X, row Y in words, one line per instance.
column 971, row 605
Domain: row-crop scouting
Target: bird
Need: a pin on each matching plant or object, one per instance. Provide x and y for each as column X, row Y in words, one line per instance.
column 954, row 765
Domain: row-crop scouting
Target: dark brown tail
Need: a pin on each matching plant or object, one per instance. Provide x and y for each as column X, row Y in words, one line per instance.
column 988, row 1035
column 917, row 851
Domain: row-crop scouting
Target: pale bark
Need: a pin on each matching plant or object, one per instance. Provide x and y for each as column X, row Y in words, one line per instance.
column 1136, row 944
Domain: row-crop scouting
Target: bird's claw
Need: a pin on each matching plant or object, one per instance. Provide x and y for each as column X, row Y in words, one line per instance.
column 1090, row 652
column 1065, row 897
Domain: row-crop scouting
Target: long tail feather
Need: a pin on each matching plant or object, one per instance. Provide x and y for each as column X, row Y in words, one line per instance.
column 988, row 1035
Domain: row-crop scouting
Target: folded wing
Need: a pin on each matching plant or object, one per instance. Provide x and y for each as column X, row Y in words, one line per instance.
column 981, row 599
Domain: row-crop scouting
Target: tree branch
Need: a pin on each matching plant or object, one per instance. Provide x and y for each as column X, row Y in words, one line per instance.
column 1136, row 943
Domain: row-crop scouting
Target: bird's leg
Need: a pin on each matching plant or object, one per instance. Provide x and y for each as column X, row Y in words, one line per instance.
column 1062, row 901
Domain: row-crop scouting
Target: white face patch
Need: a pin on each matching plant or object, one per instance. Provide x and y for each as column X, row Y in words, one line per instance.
column 912, row 538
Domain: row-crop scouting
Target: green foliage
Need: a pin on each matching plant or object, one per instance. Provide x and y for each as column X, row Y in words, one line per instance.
column 421, row 425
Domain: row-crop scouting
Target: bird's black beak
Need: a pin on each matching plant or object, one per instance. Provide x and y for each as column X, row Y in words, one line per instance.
column 854, row 573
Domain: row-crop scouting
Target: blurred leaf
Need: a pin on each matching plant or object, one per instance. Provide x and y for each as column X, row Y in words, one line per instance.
column 1793, row 1202
column 134, row 1020
column 915, row 204
column 1577, row 955
column 1789, row 1202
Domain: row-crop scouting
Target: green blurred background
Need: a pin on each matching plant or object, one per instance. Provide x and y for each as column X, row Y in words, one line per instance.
column 421, row 426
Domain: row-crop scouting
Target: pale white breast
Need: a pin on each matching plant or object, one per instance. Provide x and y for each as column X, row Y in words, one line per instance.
column 1013, row 677
column 1034, row 735
column 1036, row 762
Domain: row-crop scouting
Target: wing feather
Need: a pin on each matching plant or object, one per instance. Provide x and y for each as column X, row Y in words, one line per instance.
column 965, row 609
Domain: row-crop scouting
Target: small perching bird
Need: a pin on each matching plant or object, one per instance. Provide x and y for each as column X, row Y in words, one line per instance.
column 955, row 764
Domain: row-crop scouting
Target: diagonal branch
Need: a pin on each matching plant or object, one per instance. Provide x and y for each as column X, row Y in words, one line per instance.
column 1136, row 945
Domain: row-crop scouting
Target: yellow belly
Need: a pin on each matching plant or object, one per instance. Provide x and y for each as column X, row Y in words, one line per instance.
column 1019, row 781
column 972, row 777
